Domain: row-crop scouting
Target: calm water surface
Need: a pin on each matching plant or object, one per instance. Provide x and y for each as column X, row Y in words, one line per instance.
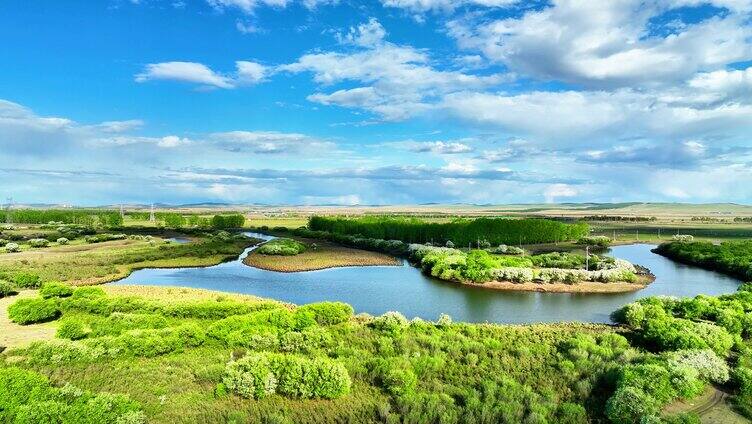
column 378, row 289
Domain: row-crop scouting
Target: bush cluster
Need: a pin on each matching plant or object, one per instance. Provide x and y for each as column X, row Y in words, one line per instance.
column 55, row 289
column 30, row 311
column 730, row 257
column 479, row 266
column 28, row 397
column 7, row 289
column 260, row 374
column 27, row 280
column 39, row 242
column 282, row 247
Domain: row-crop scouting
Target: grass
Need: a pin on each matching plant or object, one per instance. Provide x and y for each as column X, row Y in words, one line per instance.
column 401, row 372
column 103, row 262
column 324, row 255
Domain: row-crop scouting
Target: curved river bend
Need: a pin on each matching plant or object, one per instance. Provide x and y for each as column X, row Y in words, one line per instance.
column 377, row 289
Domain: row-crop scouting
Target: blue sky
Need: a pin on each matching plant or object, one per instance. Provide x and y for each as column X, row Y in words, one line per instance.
column 381, row 102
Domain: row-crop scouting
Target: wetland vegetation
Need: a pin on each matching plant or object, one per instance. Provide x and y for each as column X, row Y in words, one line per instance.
column 136, row 354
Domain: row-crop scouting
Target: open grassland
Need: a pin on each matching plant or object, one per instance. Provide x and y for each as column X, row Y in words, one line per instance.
column 323, row 255
column 102, row 262
column 195, row 356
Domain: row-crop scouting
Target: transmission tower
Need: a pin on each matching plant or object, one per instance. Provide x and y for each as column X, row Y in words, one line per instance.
column 151, row 214
column 122, row 212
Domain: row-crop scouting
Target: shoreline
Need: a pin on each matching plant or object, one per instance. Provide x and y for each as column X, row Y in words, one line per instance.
column 589, row 287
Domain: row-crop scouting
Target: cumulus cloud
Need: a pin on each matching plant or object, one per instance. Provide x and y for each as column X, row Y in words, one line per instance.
column 246, row 73
column 367, row 34
column 608, row 43
column 396, row 81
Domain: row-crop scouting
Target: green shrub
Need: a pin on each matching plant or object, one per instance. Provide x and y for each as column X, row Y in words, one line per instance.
column 55, row 289
column 39, row 242
column 329, row 313
column 399, row 381
column 390, row 322
column 260, row 374
column 62, row 241
column 7, row 289
column 281, row 247
column 571, row 413
column 629, row 405
column 27, row 397
column 12, row 247
column 29, row 311
column 72, row 329
column 27, row 280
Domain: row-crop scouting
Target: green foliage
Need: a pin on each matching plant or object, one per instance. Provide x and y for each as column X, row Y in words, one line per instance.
column 260, row 374
column 55, row 289
column 599, row 241
column 89, row 218
column 7, row 289
column 39, row 242
column 27, row 280
column 71, row 329
column 27, row 397
column 281, row 247
column 461, row 232
column 730, row 257
column 329, row 313
column 629, row 405
column 222, row 222
column 30, row 311
column 100, row 238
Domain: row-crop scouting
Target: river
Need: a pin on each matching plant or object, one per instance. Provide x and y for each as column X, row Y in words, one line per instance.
column 377, row 289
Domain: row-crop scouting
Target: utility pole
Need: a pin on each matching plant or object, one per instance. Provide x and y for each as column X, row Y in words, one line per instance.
column 122, row 212
column 587, row 258
column 151, row 214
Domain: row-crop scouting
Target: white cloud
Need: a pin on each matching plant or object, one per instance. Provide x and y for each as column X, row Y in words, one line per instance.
column 397, row 81
column 269, row 142
column 419, row 6
column 556, row 191
column 435, row 147
column 368, row 34
column 184, row 71
column 572, row 117
column 120, row 126
column 606, row 43
column 246, row 73
column 249, row 6
column 246, row 6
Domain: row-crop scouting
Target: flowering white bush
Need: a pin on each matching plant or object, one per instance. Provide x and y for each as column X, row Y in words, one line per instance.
column 513, row 274
column 683, row 238
column 710, row 367
column 39, row 242
column 449, row 244
column 62, row 240
column 12, row 247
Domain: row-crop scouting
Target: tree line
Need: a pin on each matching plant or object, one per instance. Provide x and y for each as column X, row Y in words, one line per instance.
column 460, row 232
column 87, row 217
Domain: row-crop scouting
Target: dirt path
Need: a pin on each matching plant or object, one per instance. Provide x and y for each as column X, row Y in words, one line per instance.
column 14, row 335
column 713, row 407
